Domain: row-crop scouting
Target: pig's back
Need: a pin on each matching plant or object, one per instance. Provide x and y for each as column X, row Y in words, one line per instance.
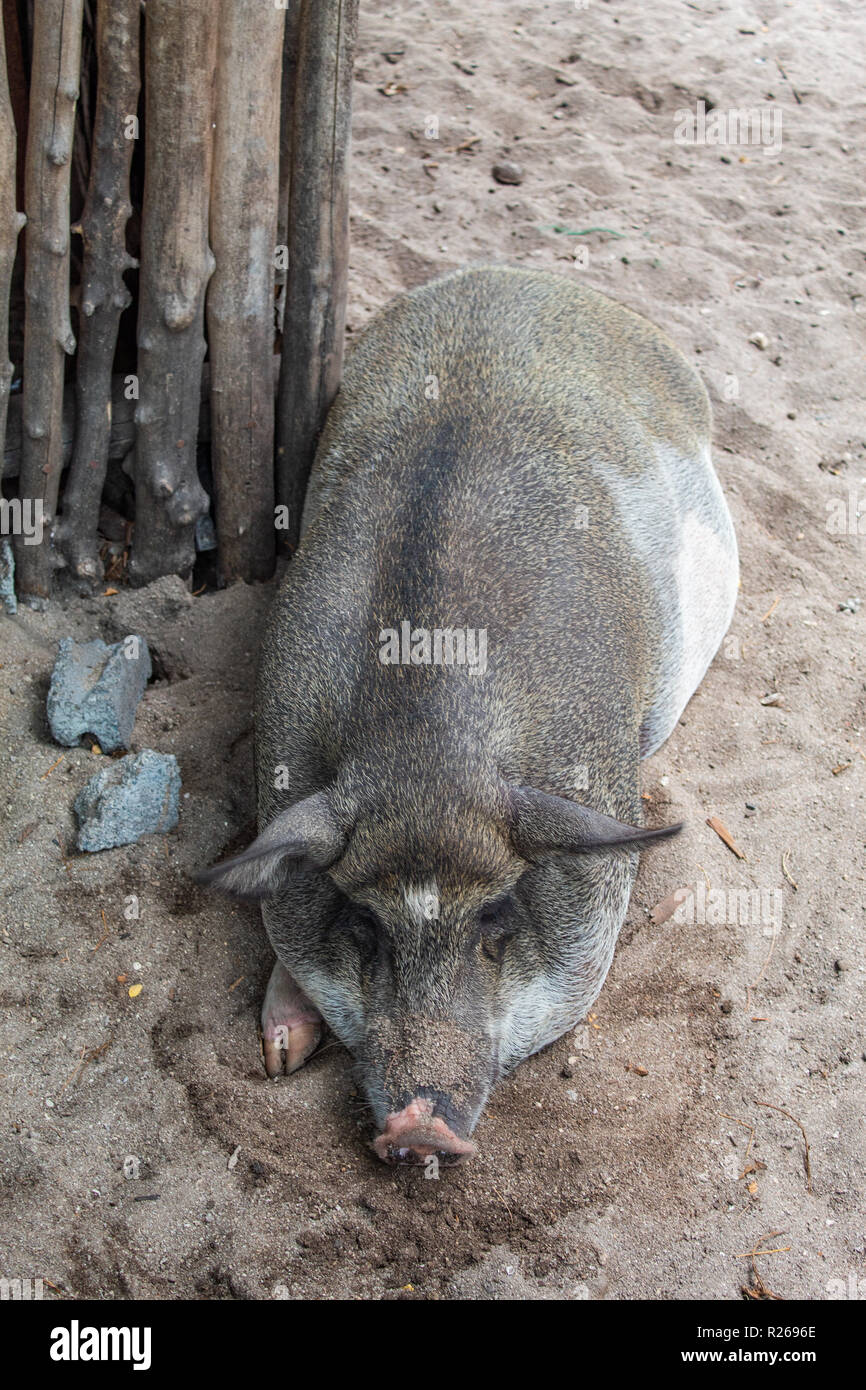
column 512, row 451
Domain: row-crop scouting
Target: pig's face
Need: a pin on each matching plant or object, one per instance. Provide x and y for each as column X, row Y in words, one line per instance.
column 450, row 982
column 408, row 963
column 443, row 956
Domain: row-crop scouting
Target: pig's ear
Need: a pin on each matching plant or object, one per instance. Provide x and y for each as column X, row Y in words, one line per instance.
column 307, row 833
column 541, row 823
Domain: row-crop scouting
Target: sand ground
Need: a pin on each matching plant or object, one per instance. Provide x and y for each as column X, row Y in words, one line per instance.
column 633, row 1159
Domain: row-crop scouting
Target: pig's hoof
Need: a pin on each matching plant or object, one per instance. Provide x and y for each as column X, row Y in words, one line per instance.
column 291, row 1024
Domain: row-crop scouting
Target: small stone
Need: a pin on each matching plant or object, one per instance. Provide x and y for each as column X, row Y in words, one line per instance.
column 506, row 171
column 760, row 340
column 135, row 796
column 727, row 1006
column 95, row 689
column 841, row 964
column 567, row 1072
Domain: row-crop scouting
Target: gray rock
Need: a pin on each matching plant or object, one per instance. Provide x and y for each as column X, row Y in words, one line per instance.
column 95, row 689
column 135, row 796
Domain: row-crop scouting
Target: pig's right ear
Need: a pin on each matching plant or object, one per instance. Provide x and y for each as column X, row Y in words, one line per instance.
column 541, row 823
column 306, row 834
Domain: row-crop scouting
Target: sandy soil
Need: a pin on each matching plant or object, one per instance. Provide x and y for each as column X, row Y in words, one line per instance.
column 618, row 1163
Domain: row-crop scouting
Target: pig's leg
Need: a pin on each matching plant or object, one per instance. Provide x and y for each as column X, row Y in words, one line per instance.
column 291, row 1025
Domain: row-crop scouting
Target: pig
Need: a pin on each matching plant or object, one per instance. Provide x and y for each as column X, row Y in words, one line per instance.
column 515, row 566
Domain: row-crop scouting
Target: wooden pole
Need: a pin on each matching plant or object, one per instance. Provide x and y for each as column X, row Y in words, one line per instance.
column 11, row 223
column 122, row 439
column 47, row 331
column 318, row 242
column 104, row 294
column 240, row 299
column 176, row 264
column 287, row 108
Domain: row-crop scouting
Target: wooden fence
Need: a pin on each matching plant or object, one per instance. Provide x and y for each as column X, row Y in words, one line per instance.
column 176, row 302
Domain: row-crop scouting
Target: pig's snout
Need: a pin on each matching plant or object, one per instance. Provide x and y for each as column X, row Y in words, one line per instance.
column 414, row 1134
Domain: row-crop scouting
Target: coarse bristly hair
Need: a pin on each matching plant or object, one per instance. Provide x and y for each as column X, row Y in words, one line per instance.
column 447, row 852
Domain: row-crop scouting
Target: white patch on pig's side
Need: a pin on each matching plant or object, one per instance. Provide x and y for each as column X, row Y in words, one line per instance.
column 422, row 902
column 706, row 575
column 679, row 526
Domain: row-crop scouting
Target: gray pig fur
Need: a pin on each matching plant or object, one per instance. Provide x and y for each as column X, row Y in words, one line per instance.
column 508, row 451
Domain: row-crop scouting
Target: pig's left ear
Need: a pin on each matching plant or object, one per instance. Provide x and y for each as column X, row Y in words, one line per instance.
column 542, row 823
column 307, row 833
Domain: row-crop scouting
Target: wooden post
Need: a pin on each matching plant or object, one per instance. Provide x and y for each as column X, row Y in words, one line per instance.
column 318, row 242
column 122, row 438
column 287, row 107
column 240, row 299
column 176, row 264
column 11, row 223
column 47, row 331
column 104, row 294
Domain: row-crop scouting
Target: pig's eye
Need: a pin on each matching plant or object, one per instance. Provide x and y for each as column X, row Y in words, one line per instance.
column 495, row 929
column 362, row 924
column 494, row 917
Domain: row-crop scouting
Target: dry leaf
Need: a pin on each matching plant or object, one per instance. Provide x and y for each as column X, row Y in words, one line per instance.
column 725, row 835
column 668, row 905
